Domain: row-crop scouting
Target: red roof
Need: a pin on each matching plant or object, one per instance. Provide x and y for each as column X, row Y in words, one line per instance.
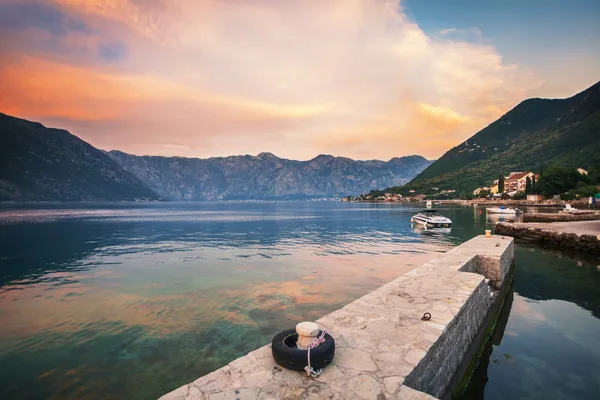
column 520, row 175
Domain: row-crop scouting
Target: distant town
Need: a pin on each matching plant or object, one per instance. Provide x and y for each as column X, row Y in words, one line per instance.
column 552, row 185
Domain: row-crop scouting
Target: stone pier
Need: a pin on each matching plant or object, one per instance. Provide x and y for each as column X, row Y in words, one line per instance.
column 384, row 350
column 580, row 236
column 561, row 217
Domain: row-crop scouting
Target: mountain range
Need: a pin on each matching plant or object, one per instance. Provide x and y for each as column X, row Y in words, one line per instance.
column 265, row 176
column 537, row 132
column 39, row 163
column 47, row 164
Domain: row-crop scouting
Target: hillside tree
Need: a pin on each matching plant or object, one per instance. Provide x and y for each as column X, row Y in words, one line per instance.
column 501, row 183
column 558, row 180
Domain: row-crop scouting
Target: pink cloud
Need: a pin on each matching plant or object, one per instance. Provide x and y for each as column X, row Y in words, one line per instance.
column 204, row 78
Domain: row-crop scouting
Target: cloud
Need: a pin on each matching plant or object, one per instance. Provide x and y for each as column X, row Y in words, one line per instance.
column 354, row 77
column 475, row 32
column 23, row 15
column 112, row 51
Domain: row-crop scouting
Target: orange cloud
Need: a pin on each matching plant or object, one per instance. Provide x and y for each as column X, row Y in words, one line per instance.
column 207, row 78
column 445, row 116
column 40, row 88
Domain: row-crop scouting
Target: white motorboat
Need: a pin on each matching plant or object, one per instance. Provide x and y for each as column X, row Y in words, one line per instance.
column 420, row 229
column 502, row 210
column 431, row 219
column 570, row 210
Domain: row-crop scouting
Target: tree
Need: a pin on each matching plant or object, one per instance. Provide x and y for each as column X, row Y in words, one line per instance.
column 520, row 196
column 594, row 174
column 567, row 196
column 542, row 168
column 501, row 183
column 483, row 193
column 558, row 180
column 587, row 190
column 528, row 185
column 533, row 188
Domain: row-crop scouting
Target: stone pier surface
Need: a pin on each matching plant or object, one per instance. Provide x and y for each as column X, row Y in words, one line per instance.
column 561, row 217
column 384, row 350
column 580, row 236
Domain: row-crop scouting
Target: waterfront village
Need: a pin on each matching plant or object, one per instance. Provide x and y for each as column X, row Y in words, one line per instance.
column 556, row 186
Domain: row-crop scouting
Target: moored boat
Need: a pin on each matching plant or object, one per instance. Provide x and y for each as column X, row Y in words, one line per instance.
column 431, row 219
column 502, row 210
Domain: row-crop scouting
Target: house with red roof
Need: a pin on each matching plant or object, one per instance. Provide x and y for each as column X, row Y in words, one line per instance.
column 517, row 181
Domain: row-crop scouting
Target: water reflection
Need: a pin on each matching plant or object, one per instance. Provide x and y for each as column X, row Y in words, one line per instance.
column 476, row 388
column 548, row 345
column 130, row 302
column 495, row 218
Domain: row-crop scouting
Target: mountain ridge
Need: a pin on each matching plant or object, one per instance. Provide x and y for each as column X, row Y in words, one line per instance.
column 265, row 176
column 49, row 164
column 267, row 155
column 536, row 132
column 40, row 163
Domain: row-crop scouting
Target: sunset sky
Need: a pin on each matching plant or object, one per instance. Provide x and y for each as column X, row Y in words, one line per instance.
column 357, row 78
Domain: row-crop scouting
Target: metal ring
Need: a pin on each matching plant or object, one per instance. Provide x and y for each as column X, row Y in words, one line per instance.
column 426, row 317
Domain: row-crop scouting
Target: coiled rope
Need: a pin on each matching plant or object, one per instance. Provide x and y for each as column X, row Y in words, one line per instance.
column 316, row 343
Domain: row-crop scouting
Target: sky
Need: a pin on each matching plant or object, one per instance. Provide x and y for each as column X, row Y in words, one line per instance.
column 366, row 79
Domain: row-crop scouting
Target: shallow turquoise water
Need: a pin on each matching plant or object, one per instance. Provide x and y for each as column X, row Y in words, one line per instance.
column 113, row 301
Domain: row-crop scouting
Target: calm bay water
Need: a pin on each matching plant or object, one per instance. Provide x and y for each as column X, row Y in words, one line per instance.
column 113, row 301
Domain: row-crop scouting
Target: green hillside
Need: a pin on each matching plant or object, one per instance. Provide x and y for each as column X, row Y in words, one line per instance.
column 47, row 164
column 536, row 132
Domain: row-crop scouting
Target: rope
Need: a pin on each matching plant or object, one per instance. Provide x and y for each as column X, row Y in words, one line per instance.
column 316, row 343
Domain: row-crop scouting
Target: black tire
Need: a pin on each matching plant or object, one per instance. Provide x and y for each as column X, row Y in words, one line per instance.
column 290, row 357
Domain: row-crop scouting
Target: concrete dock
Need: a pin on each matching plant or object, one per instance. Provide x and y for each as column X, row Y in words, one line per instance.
column 578, row 236
column 561, row 217
column 384, row 350
column 580, row 227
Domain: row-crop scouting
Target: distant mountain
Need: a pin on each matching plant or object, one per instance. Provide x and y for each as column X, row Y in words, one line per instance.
column 45, row 164
column 536, row 132
column 266, row 176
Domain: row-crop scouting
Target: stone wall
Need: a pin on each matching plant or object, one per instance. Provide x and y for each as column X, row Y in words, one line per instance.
column 556, row 217
column 384, row 350
column 583, row 243
column 436, row 374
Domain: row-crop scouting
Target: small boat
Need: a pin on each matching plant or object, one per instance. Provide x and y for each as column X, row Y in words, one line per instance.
column 431, row 219
column 422, row 230
column 503, row 210
column 570, row 210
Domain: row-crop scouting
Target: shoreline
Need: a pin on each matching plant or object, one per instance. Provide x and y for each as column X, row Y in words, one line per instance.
column 484, row 203
column 576, row 236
